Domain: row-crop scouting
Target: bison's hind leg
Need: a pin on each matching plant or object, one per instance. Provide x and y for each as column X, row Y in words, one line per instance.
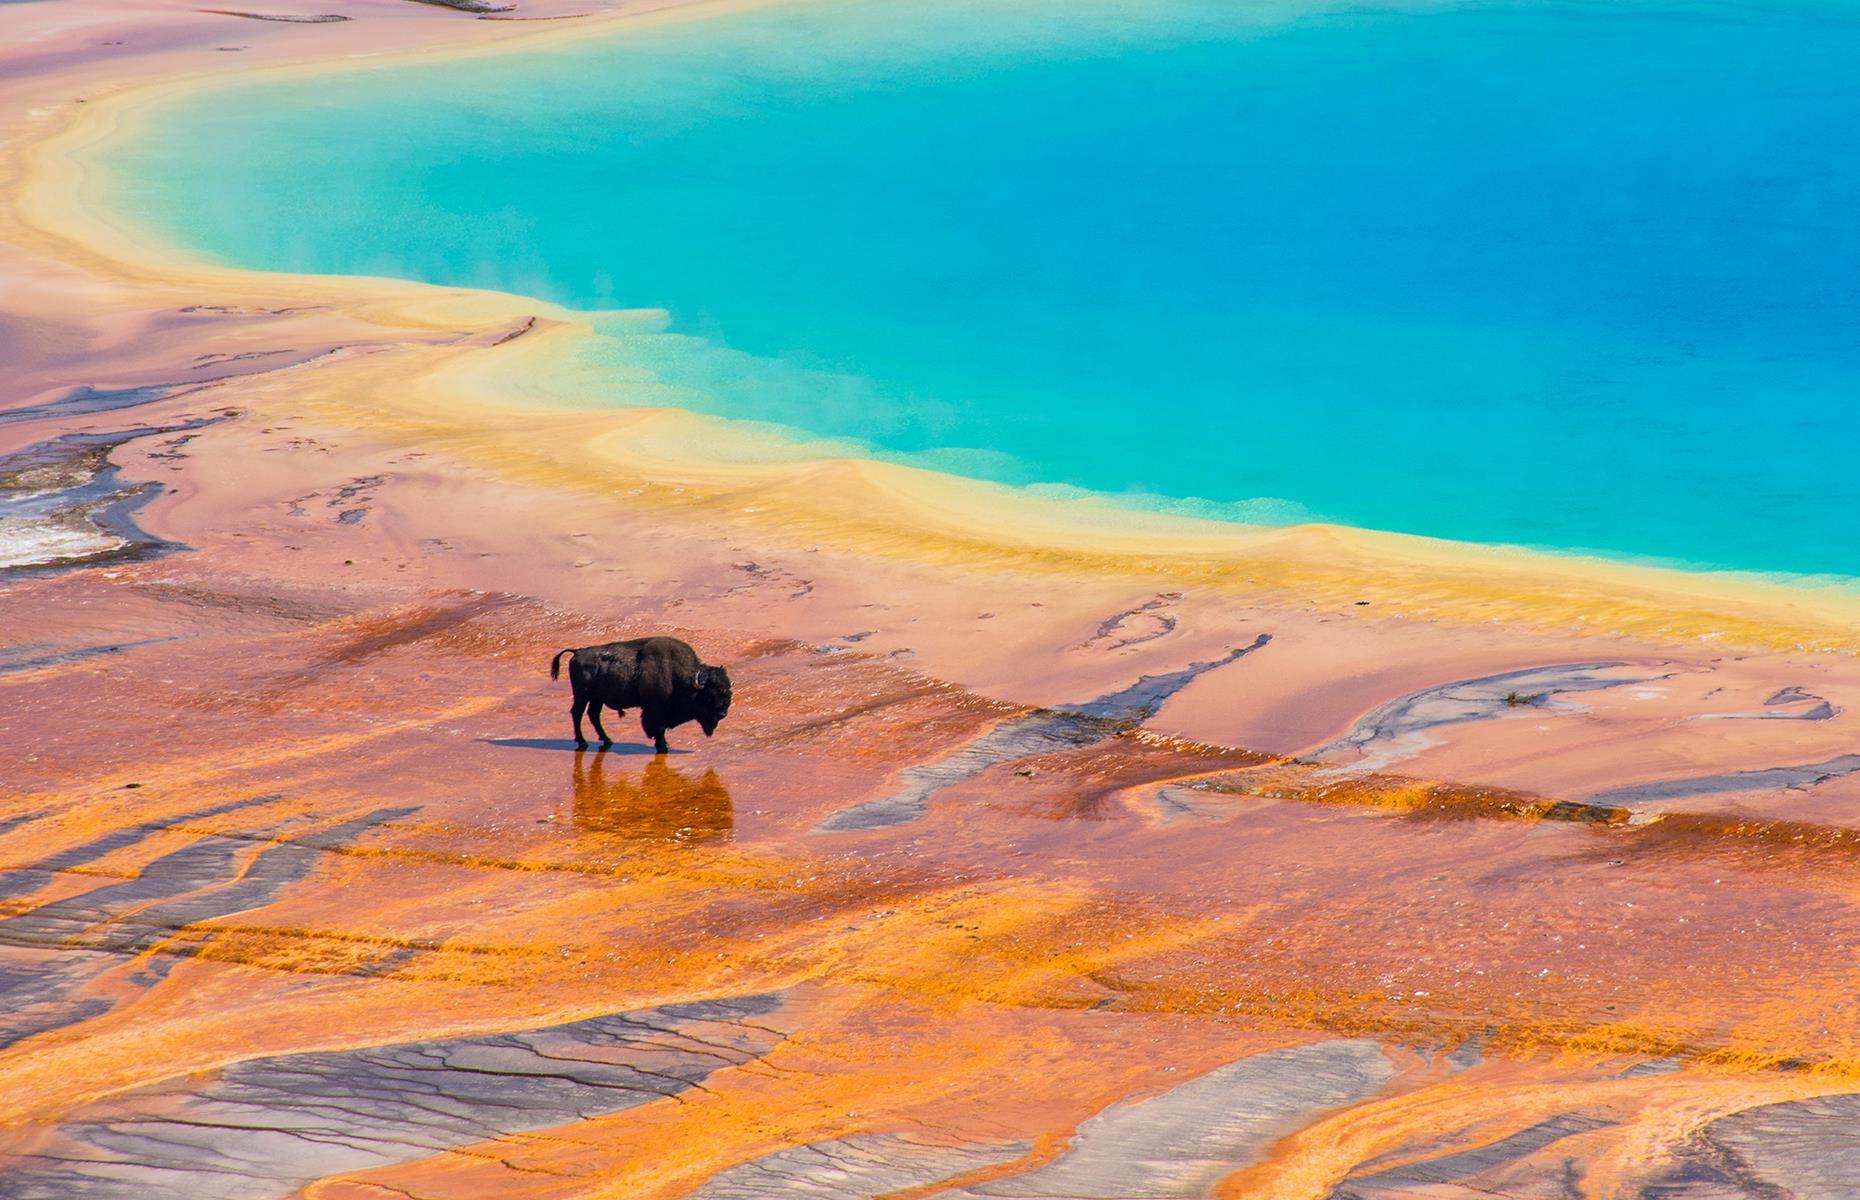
column 575, row 711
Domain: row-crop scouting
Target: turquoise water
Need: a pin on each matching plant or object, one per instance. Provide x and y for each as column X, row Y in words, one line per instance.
column 1577, row 276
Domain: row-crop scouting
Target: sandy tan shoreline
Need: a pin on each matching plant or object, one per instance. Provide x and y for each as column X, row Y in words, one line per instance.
column 59, row 212
column 1005, row 835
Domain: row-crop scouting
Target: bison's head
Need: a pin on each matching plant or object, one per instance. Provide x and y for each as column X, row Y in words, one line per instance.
column 710, row 700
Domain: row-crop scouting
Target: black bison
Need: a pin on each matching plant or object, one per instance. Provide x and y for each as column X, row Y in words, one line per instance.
column 660, row 676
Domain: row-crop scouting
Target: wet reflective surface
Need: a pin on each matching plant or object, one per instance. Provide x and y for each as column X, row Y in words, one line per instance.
column 655, row 803
column 1028, row 863
column 333, row 917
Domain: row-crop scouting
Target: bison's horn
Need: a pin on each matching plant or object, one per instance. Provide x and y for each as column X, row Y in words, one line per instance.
column 701, row 678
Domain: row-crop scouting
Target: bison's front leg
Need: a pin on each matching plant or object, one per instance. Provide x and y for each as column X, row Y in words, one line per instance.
column 594, row 714
column 653, row 729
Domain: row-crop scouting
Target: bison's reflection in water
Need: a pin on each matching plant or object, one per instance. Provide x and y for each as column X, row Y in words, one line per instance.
column 659, row 804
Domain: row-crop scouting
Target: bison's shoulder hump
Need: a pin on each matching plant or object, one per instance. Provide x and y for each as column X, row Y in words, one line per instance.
column 657, row 655
column 669, row 648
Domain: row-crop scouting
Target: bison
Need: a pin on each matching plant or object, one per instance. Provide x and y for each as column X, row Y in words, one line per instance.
column 660, row 676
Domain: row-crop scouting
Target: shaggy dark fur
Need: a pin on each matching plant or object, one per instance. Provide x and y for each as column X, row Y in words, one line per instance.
column 660, row 676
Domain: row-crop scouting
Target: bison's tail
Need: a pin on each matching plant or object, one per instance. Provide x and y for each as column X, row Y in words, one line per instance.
column 555, row 664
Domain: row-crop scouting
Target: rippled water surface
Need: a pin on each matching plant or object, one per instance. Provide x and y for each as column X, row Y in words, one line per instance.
column 1568, row 275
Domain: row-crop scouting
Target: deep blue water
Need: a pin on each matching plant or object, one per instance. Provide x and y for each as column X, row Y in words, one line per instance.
column 1581, row 276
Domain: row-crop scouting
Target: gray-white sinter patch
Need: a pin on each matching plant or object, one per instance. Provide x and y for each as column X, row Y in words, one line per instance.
column 1043, row 731
column 1183, row 1142
column 856, row 1168
column 1398, row 729
column 263, row 1129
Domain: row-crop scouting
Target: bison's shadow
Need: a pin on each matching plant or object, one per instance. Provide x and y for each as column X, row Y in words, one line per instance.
column 638, row 748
